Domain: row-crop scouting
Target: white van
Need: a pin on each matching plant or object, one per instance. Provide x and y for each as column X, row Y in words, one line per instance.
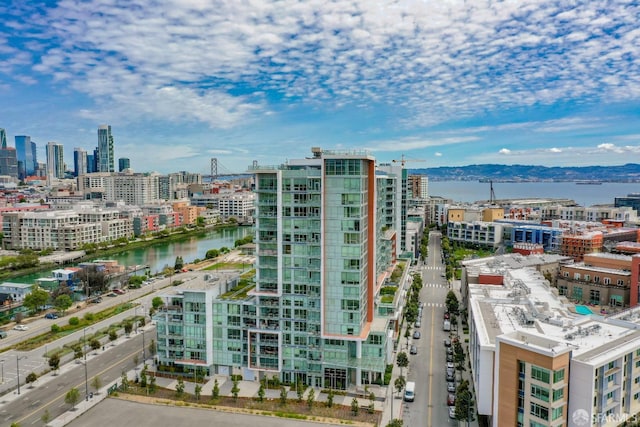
column 446, row 325
column 409, row 391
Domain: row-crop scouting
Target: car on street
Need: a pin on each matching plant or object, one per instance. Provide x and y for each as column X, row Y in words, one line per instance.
column 447, row 342
column 119, row 291
column 21, row 328
column 50, row 316
column 450, row 365
column 96, row 300
column 3, row 334
column 416, row 335
column 451, row 387
column 418, row 324
column 449, row 351
column 451, row 399
column 452, row 412
column 414, row 350
column 449, row 357
column 112, row 294
column 446, row 316
column 451, row 377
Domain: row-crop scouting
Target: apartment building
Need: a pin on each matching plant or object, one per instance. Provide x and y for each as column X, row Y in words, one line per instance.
column 323, row 250
column 536, row 361
column 601, row 279
column 63, row 229
column 237, row 205
column 486, row 234
column 132, row 188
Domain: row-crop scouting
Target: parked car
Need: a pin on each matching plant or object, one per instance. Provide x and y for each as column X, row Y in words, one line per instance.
column 112, row 294
column 452, row 412
column 50, row 316
column 119, row 291
column 447, row 316
column 451, row 377
column 451, row 399
column 449, row 351
column 447, row 342
column 21, row 328
column 449, row 357
column 418, row 324
column 450, row 365
column 414, row 350
column 451, row 387
column 3, row 334
column 96, row 300
column 416, row 335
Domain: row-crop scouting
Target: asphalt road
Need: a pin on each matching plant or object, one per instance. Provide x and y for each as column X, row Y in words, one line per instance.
column 108, row 365
column 428, row 367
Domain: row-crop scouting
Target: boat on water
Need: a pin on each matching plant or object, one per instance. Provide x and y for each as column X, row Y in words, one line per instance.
column 589, row 182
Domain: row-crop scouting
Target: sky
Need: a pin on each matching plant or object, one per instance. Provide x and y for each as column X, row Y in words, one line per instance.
column 436, row 82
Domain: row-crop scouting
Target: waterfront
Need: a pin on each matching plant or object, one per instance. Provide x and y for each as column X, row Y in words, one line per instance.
column 162, row 254
column 584, row 195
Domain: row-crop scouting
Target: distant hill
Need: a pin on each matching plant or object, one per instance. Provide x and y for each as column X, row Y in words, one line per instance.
column 519, row 173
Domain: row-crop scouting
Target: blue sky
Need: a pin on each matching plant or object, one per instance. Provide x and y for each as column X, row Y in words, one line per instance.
column 446, row 82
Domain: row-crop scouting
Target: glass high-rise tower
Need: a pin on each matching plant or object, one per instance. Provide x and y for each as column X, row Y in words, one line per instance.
column 26, row 153
column 55, row 160
column 106, row 160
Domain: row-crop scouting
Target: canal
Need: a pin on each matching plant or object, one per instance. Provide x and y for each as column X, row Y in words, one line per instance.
column 163, row 254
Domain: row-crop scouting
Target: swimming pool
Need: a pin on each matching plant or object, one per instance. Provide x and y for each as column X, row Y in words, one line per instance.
column 583, row 309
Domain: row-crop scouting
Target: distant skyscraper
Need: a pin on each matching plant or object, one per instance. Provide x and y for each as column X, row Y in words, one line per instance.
column 8, row 158
column 79, row 161
column 123, row 163
column 26, row 152
column 55, row 160
column 106, row 160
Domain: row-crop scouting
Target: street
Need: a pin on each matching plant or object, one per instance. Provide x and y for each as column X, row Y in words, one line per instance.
column 427, row 368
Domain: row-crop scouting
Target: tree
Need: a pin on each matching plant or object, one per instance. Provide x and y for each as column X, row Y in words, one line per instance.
column 402, row 360
column 330, row 396
column 179, row 264
column 77, row 352
column 95, row 344
column 300, row 390
column 235, row 389
column 399, row 383
column 72, row 397
column 62, row 303
column 128, row 327
column 54, row 362
column 152, row 348
column 372, row 399
column 113, row 335
column 464, row 403
column 31, row 378
column 197, row 391
column 283, row 396
column 396, row 422
column 215, row 392
column 261, row 393
column 180, row 387
column 46, row 417
column 459, row 356
column 96, row 383
column 355, row 407
column 451, row 302
column 157, row 302
column 152, row 384
column 311, row 398
column 124, row 379
column 212, row 253
column 36, row 299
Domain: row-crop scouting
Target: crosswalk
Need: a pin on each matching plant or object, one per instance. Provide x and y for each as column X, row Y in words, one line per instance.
column 434, row 268
column 435, row 285
column 434, row 304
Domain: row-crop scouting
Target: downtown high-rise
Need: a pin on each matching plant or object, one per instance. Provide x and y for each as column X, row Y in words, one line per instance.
column 55, row 160
column 26, row 153
column 106, row 159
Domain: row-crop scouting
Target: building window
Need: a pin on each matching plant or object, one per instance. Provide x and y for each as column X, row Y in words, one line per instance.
column 540, row 392
column 540, row 374
column 594, row 296
column 558, row 394
column 558, row 375
column 620, row 282
column 611, row 365
column 610, row 395
column 539, row 411
column 557, row 413
column 562, row 289
column 596, row 279
column 587, row 277
column 606, row 281
column 576, row 276
column 566, row 274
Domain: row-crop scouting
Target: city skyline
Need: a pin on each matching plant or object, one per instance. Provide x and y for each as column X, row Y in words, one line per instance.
column 446, row 83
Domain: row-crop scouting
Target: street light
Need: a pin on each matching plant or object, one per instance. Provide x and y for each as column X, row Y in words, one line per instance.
column 18, row 358
column 86, row 377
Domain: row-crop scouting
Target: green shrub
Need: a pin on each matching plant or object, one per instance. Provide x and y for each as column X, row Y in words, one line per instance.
column 74, row 321
column 55, row 328
column 89, row 317
column 387, row 374
column 236, row 377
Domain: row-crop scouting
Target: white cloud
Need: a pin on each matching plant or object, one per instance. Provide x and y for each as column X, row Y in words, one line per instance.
column 437, row 154
column 505, row 151
column 432, row 60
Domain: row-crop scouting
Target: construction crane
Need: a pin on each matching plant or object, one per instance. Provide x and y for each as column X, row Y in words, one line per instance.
column 403, row 160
